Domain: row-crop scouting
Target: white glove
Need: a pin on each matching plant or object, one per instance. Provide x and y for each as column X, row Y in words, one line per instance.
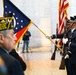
column 65, row 40
column 67, row 56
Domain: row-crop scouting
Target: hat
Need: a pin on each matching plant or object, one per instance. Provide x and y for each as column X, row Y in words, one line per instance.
column 72, row 18
column 5, row 23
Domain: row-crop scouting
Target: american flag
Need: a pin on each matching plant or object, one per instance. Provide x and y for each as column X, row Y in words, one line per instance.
column 22, row 21
column 63, row 5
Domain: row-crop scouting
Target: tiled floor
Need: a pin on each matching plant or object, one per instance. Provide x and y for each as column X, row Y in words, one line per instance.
column 40, row 63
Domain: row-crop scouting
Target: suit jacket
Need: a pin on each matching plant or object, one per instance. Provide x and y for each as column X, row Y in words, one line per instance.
column 16, row 55
column 72, row 45
column 13, row 66
column 3, row 69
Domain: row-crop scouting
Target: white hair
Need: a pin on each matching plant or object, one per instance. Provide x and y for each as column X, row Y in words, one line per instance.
column 4, row 32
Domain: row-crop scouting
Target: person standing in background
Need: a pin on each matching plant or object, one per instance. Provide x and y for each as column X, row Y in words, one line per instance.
column 26, row 39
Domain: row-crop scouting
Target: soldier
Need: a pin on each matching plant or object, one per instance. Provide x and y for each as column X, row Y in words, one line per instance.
column 70, row 42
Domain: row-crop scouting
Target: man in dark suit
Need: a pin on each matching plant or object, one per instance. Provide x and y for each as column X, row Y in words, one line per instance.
column 19, row 58
column 7, row 42
column 70, row 42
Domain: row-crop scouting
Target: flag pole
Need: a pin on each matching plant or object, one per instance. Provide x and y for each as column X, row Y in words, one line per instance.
column 49, row 38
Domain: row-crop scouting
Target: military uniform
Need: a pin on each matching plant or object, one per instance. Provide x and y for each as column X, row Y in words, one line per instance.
column 71, row 61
